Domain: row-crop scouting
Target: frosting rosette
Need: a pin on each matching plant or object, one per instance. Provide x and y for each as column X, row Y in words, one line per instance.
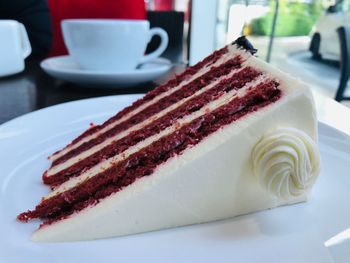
column 286, row 162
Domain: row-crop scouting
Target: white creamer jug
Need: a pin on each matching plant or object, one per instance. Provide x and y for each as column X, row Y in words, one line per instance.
column 14, row 47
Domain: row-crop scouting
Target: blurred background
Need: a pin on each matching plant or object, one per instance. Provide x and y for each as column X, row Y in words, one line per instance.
column 310, row 39
column 305, row 40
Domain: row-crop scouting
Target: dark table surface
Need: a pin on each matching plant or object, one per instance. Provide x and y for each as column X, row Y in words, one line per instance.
column 33, row 89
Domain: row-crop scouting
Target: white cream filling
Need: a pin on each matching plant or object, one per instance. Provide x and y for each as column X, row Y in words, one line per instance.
column 204, row 70
column 286, row 162
column 224, row 99
column 55, row 169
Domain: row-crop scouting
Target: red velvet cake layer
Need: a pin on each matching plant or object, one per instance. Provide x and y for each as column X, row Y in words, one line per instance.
column 211, row 59
column 237, row 81
column 144, row 162
column 162, row 104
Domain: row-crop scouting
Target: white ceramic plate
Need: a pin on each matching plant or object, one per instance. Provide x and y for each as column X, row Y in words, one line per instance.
column 64, row 68
column 316, row 231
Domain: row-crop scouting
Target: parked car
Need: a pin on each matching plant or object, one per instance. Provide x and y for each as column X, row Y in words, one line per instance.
column 324, row 38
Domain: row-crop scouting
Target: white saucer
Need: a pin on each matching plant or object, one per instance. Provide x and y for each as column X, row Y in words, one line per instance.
column 64, row 68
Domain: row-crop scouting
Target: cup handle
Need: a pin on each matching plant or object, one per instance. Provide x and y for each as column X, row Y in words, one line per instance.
column 26, row 48
column 164, row 40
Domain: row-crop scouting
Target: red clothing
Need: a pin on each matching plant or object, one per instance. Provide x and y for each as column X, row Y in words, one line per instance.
column 65, row 9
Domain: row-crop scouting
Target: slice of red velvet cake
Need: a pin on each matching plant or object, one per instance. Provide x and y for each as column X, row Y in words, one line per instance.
column 229, row 136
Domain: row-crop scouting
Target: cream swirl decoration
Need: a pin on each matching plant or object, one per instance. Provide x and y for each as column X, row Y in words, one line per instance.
column 286, row 162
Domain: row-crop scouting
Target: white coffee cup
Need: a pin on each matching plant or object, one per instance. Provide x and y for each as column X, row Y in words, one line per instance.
column 14, row 47
column 111, row 44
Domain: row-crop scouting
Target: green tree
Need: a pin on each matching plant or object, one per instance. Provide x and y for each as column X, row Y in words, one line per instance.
column 295, row 18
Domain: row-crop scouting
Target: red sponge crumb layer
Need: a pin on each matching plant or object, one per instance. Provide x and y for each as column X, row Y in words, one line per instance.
column 154, row 93
column 175, row 97
column 237, row 81
column 144, row 162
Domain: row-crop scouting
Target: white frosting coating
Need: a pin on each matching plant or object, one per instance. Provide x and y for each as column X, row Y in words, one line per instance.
column 213, row 180
column 286, row 162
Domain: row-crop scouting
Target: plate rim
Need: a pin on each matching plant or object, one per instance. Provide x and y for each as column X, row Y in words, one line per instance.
column 52, row 107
